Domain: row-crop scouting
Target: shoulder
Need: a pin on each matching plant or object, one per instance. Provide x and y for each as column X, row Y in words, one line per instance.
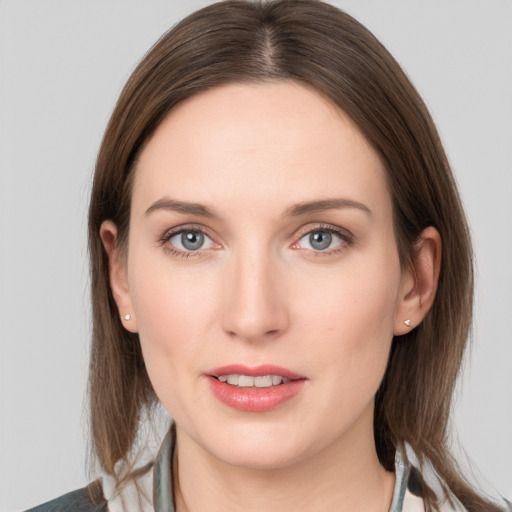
column 88, row 499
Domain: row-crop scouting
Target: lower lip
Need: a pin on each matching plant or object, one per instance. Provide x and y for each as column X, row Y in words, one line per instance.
column 255, row 399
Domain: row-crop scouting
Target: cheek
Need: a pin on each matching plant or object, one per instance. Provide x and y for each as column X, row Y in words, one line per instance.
column 172, row 317
column 349, row 330
column 350, row 314
column 174, row 307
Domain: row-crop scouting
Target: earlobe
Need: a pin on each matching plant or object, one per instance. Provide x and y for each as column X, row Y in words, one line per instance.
column 117, row 276
column 419, row 284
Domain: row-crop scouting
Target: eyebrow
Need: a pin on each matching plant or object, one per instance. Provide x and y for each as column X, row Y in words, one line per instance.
column 181, row 207
column 293, row 211
column 325, row 204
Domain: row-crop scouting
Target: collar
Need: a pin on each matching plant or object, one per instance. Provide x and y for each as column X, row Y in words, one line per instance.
column 163, row 496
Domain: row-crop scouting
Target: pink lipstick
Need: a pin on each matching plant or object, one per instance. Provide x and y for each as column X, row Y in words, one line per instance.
column 254, row 389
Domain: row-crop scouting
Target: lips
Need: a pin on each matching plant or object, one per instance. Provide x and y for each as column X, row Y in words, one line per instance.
column 248, row 381
column 254, row 389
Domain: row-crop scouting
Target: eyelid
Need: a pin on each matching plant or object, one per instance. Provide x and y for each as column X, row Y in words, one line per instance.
column 318, row 226
column 347, row 238
column 185, row 227
column 176, row 230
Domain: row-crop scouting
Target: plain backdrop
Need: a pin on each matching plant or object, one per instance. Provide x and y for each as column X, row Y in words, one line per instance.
column 62, row 66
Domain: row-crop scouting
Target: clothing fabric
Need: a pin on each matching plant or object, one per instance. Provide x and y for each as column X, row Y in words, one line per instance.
column 152, row 490
column 88, row 499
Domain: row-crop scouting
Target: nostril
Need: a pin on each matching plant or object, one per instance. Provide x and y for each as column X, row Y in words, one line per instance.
column 252, row 311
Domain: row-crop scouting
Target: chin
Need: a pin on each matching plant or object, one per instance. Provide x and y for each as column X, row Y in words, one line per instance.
column 262, row 456
column 257, row 445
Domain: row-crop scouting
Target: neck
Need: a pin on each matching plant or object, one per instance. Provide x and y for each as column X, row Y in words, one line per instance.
column 335, row 479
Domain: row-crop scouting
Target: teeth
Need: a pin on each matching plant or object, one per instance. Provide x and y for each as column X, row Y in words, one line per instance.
column 233, row 379
column 263, row 382
column 247, row 381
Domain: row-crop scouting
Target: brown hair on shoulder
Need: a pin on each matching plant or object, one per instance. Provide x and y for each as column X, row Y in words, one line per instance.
column 318, row 45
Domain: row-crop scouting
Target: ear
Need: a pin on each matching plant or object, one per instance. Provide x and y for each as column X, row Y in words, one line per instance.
column 419, row 283
column 117, row 276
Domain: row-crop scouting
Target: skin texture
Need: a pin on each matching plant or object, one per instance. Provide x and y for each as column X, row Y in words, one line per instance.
column 257, row 292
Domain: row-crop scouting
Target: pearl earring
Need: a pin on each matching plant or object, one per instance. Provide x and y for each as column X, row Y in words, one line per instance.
column 127, row 317
column 407, row 322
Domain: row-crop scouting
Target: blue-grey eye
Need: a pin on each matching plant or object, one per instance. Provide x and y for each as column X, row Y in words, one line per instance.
column 320, row 240
column 191, row 240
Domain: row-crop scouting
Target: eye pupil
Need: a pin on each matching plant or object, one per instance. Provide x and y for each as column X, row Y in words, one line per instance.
column 192, row 240
column 320, row 240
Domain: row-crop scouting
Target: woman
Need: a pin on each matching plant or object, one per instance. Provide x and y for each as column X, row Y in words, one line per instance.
column 279, row 257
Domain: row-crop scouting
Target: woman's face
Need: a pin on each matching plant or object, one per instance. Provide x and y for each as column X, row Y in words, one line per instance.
column 261, row 252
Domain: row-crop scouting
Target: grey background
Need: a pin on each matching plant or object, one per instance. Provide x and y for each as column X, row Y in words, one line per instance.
column 62, row 65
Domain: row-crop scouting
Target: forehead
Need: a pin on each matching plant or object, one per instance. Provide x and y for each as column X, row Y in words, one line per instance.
column 278, row 138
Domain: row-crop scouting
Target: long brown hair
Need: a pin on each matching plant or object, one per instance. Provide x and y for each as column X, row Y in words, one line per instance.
column 313, row 43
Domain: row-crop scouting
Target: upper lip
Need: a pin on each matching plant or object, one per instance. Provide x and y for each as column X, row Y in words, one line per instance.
column 254, row 371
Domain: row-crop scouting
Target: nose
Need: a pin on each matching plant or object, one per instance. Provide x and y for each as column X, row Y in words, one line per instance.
column 255, row 302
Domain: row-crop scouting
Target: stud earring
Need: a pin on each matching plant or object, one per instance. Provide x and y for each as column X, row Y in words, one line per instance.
column 127, row 317
column 406, row 322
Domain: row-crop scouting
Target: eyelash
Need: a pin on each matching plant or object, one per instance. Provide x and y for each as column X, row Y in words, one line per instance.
column 346, row 240
column 164, row 241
